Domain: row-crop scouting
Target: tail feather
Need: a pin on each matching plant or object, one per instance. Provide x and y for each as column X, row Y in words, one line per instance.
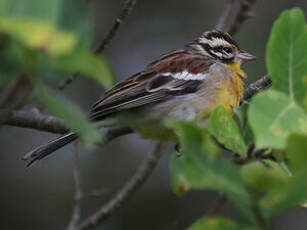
column 47, row 149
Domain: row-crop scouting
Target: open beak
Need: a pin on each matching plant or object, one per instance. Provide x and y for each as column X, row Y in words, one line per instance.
column 244, row 56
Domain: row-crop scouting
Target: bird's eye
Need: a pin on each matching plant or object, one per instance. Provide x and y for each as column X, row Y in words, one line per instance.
column 227, row 49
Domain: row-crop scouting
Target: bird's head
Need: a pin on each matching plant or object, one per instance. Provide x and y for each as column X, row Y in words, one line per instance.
column 220, row 46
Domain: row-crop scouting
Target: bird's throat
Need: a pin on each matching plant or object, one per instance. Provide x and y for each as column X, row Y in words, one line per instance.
column 237, row 83
column 236, row 68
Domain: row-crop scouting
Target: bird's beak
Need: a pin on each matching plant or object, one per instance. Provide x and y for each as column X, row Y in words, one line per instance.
column 244, row 56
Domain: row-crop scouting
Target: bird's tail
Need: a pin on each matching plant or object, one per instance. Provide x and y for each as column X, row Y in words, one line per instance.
column 46, row 149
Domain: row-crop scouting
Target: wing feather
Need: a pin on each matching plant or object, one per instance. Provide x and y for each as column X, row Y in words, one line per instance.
column 158, row 82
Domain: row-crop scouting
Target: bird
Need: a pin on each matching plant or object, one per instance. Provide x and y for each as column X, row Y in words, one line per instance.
column 185, row 84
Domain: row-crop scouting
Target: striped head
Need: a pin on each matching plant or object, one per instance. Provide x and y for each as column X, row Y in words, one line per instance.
column 220, row 46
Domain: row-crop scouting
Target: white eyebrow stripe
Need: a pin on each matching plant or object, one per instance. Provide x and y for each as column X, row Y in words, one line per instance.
column 185, row 75
column 219, row 42
column 215, row 42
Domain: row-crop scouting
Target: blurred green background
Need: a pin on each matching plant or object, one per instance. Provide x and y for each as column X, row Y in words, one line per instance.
column 41, row 197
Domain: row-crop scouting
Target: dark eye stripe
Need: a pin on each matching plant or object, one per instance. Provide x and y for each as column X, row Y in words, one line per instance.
column 219, row 49
column 228, row 49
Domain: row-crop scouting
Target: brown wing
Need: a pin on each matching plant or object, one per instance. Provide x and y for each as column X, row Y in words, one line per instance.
column 154, row 84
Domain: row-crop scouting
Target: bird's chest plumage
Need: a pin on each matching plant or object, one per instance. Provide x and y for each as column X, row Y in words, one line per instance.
column 223, row 86
column 231, row 88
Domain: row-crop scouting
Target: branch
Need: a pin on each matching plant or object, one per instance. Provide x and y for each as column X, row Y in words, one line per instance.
column 75, row 217
column 254, row 88
column 126, row 11
column 254, row 154
column 243, row 14
column 35, row 120
column 127, row 191
column 221, row 24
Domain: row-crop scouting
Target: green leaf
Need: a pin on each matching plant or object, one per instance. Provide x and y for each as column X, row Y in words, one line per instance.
column 292, row 192
column 46, row 10
column 263, row 177
column 215, row 223
column 285, row 196
column 273, row 117
column 70, row 15
column 180, row 182
column 71, row 114
column 196, row 168
column 242, row 114
column 296, row 151
column 3, row 7
column 86, row 63
column 36, row 34
column 287, row 56
column 226, row 131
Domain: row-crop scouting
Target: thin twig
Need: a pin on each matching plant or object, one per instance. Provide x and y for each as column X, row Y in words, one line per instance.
column 221, row 24
column 94, row 194
column 252, row 155
column 127, row 191
column 75, row 217
column 125, row 12
column 243, row 14
column 256, row 87
column 63, row 84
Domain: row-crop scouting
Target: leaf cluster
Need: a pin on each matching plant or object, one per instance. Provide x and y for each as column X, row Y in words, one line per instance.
column 47, row 41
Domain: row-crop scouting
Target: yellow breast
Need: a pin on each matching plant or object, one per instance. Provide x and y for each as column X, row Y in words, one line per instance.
column 232, row 90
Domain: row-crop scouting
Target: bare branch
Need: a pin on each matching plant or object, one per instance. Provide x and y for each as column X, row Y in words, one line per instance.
column 253, row 155
column 94, row 194
column 240, row 16
column 127, row 191
column 221, row 24
column 63, row 84
column 126, row 11
column 35, row 120
column 256, row 87
column 243, row 14
column 75, row 218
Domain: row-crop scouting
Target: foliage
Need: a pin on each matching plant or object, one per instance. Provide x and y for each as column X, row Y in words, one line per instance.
column 50, row 41
column 275, row 120
column 224, row 128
